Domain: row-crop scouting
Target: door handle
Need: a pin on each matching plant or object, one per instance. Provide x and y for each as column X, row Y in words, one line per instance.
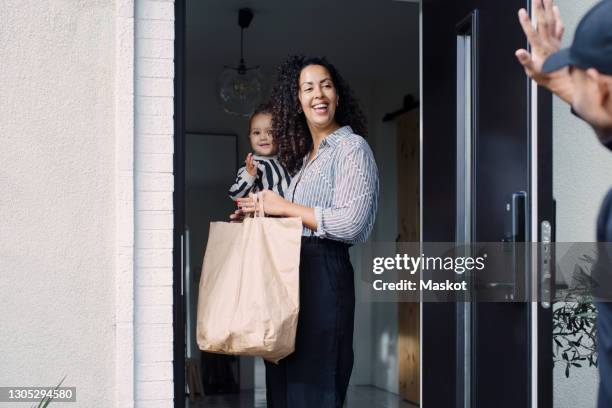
column 546, row 264
column 519, row 217
column 519, row 238
column 513, row 287
column 182, row 263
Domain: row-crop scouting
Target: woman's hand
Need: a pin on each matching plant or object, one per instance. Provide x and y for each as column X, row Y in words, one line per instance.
column 251, row 165
column 273, row 203
column 237, row 216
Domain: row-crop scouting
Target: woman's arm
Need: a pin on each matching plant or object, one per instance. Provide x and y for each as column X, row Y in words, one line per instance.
column 351, row 216
column 307, row 214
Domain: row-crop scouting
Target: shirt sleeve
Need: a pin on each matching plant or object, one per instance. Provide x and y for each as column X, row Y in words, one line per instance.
column 355, row 198
column 243, row 185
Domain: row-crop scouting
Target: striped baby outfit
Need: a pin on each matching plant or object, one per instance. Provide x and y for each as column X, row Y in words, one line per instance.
column 271, row 175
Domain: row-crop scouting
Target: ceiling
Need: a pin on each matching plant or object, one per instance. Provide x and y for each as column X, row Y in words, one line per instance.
column 357, row 35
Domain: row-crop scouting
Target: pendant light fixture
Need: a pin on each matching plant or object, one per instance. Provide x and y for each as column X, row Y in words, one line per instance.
column 239, row 88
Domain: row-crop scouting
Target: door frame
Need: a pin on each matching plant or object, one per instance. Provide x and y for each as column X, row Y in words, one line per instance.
column 178, row 198
column 543, row 209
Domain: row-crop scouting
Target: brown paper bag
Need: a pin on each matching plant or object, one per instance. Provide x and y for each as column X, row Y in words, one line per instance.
column 249, row 289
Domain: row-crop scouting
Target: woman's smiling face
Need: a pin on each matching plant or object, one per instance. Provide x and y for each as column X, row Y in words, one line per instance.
column 318, row 97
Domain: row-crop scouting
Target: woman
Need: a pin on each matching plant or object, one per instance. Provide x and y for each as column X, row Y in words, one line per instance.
column 335, row 193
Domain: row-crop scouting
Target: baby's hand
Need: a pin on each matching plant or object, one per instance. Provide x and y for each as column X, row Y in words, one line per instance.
column 251, row 165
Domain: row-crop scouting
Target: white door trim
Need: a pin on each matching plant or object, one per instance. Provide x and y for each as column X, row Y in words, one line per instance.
column 144, row 129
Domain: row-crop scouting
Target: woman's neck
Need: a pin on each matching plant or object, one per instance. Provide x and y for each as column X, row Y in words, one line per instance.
column 318, row 134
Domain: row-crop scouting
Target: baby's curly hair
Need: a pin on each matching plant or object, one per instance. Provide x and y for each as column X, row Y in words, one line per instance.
column 264, row 108
column 289, row 126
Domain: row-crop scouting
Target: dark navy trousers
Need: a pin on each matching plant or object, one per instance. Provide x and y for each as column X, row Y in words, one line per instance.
column 317, row 373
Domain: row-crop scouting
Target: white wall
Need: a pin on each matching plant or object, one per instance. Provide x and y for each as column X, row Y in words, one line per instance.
column 582, row 169
column 153, row 209
column 57, row 201
column 388, row 95
column 582, row 166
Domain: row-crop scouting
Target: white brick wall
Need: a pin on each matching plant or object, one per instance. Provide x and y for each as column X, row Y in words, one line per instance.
column 153, row 215
column 124, row 191
column 144, row 130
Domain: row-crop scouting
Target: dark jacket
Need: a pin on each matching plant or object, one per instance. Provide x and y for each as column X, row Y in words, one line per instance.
column 602, row 275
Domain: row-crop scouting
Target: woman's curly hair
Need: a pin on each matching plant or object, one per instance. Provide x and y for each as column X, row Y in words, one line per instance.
column 289, row 126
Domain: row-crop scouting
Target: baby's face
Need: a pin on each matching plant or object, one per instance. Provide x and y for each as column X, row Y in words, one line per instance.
column 260, row 135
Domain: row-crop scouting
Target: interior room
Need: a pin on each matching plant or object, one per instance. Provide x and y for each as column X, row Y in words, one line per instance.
column 375, row 46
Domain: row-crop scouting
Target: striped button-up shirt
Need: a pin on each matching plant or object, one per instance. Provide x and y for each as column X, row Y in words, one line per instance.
column 341, row 183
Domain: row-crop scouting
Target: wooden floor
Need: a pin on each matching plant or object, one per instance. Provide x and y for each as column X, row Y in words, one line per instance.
column 358, row 397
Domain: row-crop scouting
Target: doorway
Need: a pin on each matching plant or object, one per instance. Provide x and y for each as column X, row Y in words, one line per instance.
column 375, row 45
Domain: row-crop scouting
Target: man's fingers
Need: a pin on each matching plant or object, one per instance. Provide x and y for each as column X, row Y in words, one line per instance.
column 549, row 16
column 542, row 23
column 523, row 56
column 538, row 11
column 525, row 59
column 559, row 27
column 530, row 32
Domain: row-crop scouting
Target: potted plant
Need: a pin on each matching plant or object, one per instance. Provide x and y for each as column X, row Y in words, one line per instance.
column 574, row 314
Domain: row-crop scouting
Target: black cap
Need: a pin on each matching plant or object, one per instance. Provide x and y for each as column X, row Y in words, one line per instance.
column 592, row 46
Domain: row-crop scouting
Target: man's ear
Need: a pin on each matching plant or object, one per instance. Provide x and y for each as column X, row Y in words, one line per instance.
column 606, row 83
column 605, row 87
column 603, row 83
column 593, row 74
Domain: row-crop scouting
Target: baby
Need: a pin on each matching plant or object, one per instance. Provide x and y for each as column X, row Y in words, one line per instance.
column 262, row 170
